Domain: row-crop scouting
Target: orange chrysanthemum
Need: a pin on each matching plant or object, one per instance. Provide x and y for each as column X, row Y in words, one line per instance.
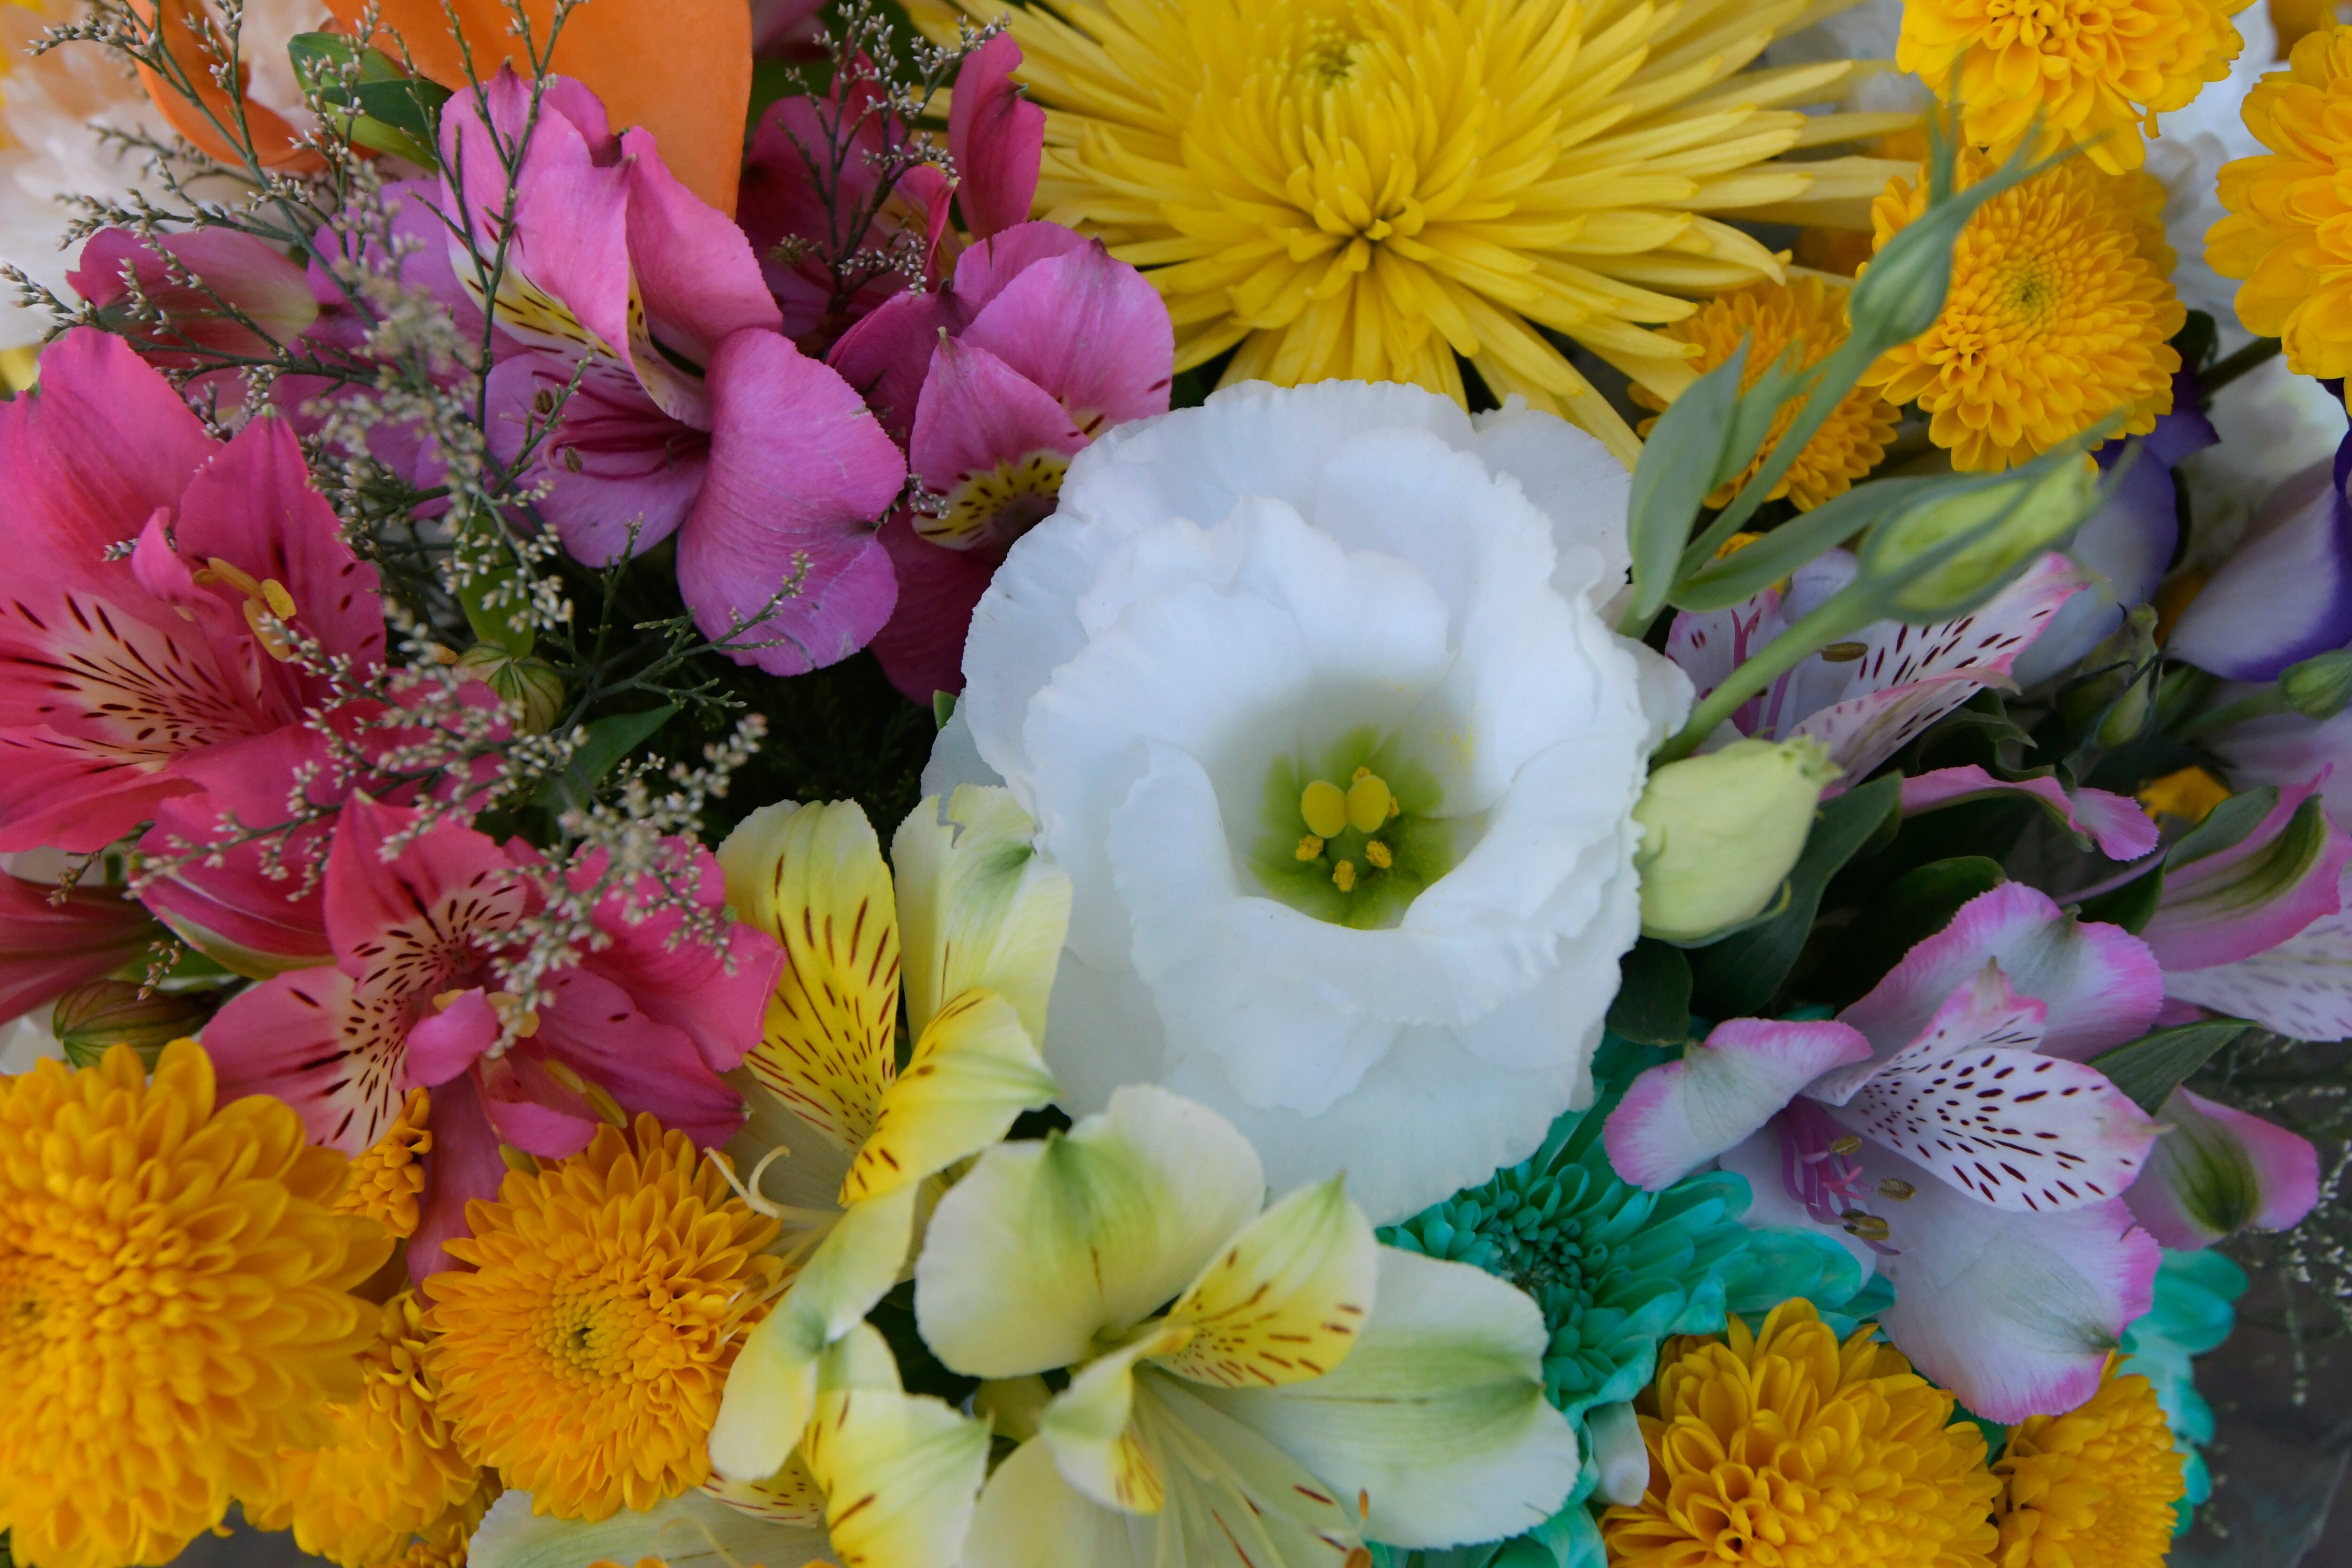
column 2093, row 1488
column 442, row 1544
column 392, row 1468
column 1785, row 1446
column 1770, row 318
column 584, row 1355
column 386, row 1178
column 2059, row 315
column 173, row 1303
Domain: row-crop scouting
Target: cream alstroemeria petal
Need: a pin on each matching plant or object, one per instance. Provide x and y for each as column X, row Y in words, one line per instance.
column 1029, row 1517
column 901, row 1472
column 1089, row 1427
column 976, row 906
column 1437, row 1417
column 1044, row 1245
column 1286, row 1299
column 1234, row 1498
column 791, row 1496
column 811, row 877
column 772, row 1388
column 974, row 1070
column 694, row 1531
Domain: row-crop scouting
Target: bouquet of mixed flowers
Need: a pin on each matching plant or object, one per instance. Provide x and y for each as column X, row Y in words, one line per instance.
column 1606, row 733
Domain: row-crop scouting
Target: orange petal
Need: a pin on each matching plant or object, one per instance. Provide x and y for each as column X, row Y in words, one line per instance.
column 681, row 68
column 273, row 137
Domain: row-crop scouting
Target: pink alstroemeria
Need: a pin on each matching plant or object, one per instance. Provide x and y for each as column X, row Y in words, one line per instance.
column 1869, row 698
column 694, row 414
column 2218, row 1169
column 2113, row 822
column 246, row 298
column 1948, row 1129
column 51, row 943
column 2249, row 898
column 413, row 998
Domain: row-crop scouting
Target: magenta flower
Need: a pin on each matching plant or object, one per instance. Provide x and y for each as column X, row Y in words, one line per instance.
column 1947, row 1130
column 413, row 998
column 247, row 299
column 49, row 945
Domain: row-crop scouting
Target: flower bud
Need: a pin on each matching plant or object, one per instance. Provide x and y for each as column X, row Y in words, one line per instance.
column 1720, row 833
column 2320, row 686
column 530, row 687
column 90, row 1020
column 1997, row 527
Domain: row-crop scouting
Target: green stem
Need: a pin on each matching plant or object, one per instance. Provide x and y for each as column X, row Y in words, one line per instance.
column 1846, row 613
column 2232, row 366
column 2256, row 705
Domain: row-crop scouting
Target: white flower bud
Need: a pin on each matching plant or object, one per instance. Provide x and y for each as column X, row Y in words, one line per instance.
column 1721, row 832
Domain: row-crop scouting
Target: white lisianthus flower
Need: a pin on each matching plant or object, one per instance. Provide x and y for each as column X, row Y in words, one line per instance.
column 1311, row 693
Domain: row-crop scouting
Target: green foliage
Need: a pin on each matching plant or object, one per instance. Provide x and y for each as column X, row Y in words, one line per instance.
column 2150, row 1067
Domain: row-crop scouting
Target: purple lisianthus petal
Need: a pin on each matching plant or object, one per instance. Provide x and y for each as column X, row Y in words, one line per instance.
column 2286, row 594
column 2117, row 824
column 2287, row 749
column 2127, row 544
column 996, row 138
column 2217, row 1169
column 1678, row 1116
column 2255, row 894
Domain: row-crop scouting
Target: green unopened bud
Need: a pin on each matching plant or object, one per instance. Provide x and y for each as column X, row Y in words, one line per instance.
column 2320, row 686
column 1901, row 293
column 1990, row 529
column 530, row 687
column 92, row 1020
column 1720, row 833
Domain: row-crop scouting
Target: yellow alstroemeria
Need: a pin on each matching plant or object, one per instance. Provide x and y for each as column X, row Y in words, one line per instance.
column 981, row 924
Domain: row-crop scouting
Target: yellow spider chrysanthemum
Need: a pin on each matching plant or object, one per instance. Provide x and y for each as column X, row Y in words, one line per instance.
column 1770, row 318
column 2286, row 234
column 2093, row 1488
column 391, row 1469
column 1368, row 188
column 584, row 1356
column 386, row 1178
column 1825, row 1456
column 173, row 1303
column 2093, row 72
column 2058, row 316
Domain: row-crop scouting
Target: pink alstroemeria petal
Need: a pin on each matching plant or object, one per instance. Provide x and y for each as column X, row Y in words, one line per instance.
column 976, row 412
column 2302, row 988
column 2217, row 1169
column 1982, row 1013
column 1090, row 331
column 2256, row 894
column 619, row 473
column 400, row 926
column 312, row 1040
column 987, row 268
column 533, row 1110
column 1678, row 1116
column 50, row 942
column 442, row 1045
column 594, row 1027
column 465, row 1164
column 921, row 649
column 2101, row 984
column 887, row 356
column 247, row 298
column 2120, row 828
column 694, row 267
column 996, row 138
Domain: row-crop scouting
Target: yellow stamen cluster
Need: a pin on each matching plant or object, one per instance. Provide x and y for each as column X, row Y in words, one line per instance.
column 175, row 1304
column 1808, row 316
column 1784, row 1447
column 1366, row 806
column 2093, row 1488
column 2286, row 234
column 268, row 607
column 2092, row 72
column 2058, row 317
column 1370, row 188
column 391, row 1469
column 584, row 1353
column 387, row 1178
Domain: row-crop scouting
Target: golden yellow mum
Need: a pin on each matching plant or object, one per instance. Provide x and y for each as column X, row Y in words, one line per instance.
column 1786, row 1447
column 2059, row 315
column 386, row 1178
column 1770, row 318
column 1368, row 188
column 2092, row 72
column 391, row 1468
column 2093, row 1488
column 173, row 1305
column 2286, row 234
column 584, row 1354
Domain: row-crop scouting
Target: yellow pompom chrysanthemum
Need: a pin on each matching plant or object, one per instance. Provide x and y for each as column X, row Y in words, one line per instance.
column 386, row 1178
column 2093, row 1488
column 2092, row 72
column 392, row 1468
column 2059, row 315
column 173, row 1303
column 1770, row 318
column 1369, row 188
column 584, row 1354
column 2286, row 234
column 1786, row 1446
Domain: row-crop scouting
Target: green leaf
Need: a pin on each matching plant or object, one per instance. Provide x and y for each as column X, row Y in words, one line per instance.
column 1674, row 478
column 2225, row 826
column 1737, row 578
column 1653, row 993
column 384, row 108
column 1739, row 974
column 943, row 706
column 2131, row 906
column 609, row 739
column 1914, row 907
column 2150, row 1067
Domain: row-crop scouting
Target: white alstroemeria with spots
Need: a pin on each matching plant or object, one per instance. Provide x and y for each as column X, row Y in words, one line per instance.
column 1244, row 1389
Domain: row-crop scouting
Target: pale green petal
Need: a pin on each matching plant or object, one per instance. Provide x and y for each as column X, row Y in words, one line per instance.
column 1045, row 1245
column 1437, row 1417
column 791, row 1496
column 694, row 1531
column 1234, row 1499
column 901, row 1472
column 978, row 907
column 1286, row 1299
column 801, row 1186
column 1089, row 1427
column 1029, row 1517
column 771, row 1390
column 974, row 1070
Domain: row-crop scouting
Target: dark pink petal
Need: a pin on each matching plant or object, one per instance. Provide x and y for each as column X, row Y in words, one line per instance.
column 532, row 1108
column 239, row 280
column 635, row 464
column 464, row 1166
column 1677, row 1117
column 1089, row 330
column 2218, row 1169
column 978, row 415
column 996, row 138
column 401, row 927
column 313, row 1039
column 442, row 1045
column 779, row 200
column 779, row 555
column 2117, row 824
column 50, row 944
column 886, row 356
column 595, row 1029
column 921, row 649
column 985, row 270
column 2257, row 893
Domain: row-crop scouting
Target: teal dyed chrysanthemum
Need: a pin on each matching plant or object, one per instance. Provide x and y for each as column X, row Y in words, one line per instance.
column 2193, row 1312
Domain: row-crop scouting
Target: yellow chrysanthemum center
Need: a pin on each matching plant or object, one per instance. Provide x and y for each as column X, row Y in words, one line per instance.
column 391, row 1469
column 2286, row 234
column 2059, row 315
column 1786, row 1447
column 584, row 1355
column 173, row 1305
column 1370, row 188
column 1771, row 318
column 2093, row 1488
column 2090, row 71
column 387, row 1178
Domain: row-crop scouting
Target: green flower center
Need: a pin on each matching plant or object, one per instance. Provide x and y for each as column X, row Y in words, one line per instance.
column 1349, row 836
